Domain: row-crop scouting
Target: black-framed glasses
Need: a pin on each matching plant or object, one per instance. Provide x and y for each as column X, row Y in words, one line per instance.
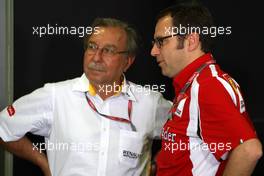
column 106, row 51
column 159, row 40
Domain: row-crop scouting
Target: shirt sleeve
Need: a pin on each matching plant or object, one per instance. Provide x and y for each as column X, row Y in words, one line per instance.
column 222, row 125
column 161, row 114
column 30, row 113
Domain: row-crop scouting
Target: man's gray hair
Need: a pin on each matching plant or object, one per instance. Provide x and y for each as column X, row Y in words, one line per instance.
column 132, row 37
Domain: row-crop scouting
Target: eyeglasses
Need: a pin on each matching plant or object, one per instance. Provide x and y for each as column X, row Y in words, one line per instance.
column 159, row 40
column 106, row 51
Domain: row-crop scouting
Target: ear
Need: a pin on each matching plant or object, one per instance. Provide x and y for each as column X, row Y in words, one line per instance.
column 130, row 61
column 193, row 41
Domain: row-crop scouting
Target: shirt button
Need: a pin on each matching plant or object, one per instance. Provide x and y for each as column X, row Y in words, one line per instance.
column 104, row 129
column 102, row 153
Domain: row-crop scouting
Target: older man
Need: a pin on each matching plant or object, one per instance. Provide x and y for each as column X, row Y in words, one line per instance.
column 98, row 124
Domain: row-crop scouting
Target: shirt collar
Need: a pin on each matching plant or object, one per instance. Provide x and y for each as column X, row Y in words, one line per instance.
column 83, row 85
column 180, row 79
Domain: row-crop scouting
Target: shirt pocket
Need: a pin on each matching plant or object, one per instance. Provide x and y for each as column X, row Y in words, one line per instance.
column 130, row 147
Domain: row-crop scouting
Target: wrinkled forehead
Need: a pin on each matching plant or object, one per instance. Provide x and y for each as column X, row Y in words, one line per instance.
column 163, row 26
column 109, row 36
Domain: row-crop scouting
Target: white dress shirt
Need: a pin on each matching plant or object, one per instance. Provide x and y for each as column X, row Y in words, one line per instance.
column 79, row 141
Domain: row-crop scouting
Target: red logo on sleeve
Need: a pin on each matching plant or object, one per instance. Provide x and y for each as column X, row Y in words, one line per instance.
column 11, row 110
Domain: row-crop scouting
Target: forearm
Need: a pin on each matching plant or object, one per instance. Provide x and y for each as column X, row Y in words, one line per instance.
column 24, row 148
column 243, row 158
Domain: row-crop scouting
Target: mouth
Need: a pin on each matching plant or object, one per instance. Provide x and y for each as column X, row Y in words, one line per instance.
column 97, row 70
column 160, row 62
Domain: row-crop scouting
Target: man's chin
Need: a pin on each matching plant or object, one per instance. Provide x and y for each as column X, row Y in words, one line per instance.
column 164, row 72
column 95, row 77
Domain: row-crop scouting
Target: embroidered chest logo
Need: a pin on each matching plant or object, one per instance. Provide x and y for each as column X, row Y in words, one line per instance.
column 131, row 155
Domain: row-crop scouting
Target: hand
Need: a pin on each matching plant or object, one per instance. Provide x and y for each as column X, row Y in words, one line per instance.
column 153, row 168
column 47, row 172
column 44, row 165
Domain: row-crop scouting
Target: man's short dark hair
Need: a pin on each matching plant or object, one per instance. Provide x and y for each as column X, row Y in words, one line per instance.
column 191, row 15
column 132, row 36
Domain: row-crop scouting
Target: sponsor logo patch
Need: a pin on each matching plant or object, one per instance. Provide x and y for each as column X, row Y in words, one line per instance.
column 11, row 110
column 231, row 82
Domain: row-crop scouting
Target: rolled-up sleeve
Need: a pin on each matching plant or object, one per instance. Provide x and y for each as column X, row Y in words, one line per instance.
column 30, row 113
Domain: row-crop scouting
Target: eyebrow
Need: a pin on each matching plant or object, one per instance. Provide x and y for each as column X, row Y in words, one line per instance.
column 107, row 45
column 111, row 45
column 158, row 36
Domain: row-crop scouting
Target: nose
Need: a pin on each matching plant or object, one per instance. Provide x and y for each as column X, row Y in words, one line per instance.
column 97, row 55
column 155, row 51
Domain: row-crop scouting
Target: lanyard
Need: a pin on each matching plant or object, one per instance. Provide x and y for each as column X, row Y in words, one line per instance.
column 182, row 93
column 119, row 119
